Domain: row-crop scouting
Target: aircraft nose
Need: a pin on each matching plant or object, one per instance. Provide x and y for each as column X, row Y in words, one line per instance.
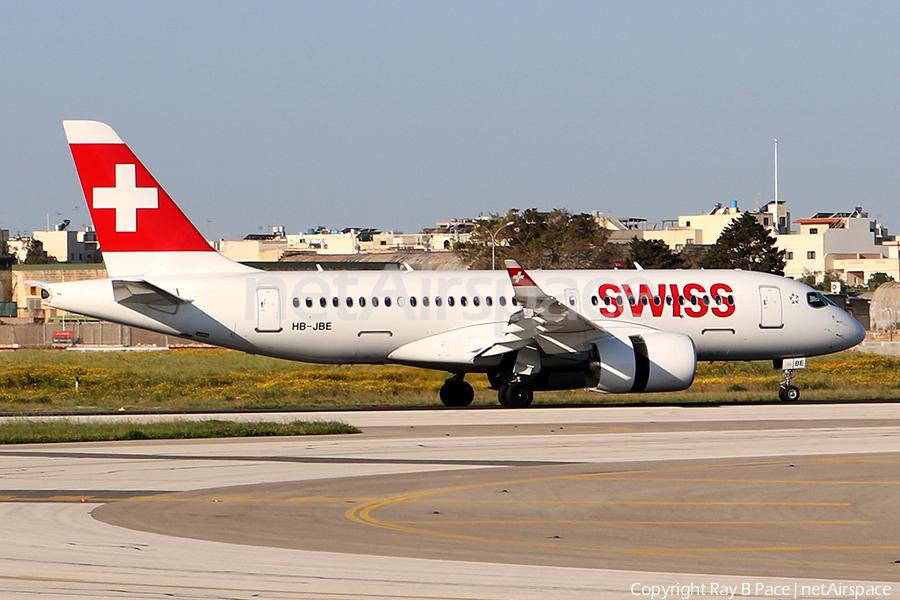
column 852, row 332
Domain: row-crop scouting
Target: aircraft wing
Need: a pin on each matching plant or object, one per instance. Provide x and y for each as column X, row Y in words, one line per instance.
column 542, row 320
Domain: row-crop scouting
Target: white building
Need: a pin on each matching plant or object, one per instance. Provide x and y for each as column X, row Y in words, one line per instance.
column 852, row 245
column 271, row 247
column 706, row 228
column 61, row 246
column 67, row 246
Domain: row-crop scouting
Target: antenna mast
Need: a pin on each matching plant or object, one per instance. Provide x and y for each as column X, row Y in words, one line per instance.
column 776, row 174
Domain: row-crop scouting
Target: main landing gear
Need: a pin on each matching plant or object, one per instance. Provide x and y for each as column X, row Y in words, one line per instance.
column 515, row 394
column 457, row 392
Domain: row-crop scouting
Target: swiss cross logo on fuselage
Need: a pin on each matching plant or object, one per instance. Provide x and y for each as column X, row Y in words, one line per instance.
column 126, row 198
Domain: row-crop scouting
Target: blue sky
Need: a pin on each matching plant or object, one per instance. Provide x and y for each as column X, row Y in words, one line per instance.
column 399, row 114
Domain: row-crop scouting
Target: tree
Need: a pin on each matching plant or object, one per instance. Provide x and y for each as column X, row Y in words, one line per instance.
column 35, row 254
column 536, row 240
column 654, row 254
column 877, row 279
column 7, row 260
column 808, row 277
column 745, row 244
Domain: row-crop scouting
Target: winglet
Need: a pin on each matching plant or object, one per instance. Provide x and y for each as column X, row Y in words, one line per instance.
column 518, row 276
column 527, row 292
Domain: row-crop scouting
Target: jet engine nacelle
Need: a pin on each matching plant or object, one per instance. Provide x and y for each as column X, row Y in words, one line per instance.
column 656, row 361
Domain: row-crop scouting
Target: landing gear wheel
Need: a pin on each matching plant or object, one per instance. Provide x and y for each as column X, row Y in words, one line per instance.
column 516, row 395
column 789, row 393
column 456, row 392
column 501, row 393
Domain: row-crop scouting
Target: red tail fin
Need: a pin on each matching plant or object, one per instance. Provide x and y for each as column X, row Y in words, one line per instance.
column 131, row 212
column 138, row 225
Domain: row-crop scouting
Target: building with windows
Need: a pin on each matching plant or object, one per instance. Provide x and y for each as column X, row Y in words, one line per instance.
column 851, row 244
column 348, row 241
column 61, row 246
column 705, row 229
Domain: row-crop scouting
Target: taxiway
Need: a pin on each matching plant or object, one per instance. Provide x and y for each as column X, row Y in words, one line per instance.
column 482, row 503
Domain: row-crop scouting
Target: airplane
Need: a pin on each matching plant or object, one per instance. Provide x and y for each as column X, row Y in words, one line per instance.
column 613, row 331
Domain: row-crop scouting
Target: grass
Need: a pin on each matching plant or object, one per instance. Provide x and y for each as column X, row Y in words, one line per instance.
column 28, row 431
column 43, row 381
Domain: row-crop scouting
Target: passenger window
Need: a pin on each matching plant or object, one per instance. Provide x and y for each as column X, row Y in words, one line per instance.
column 362, row 302
column 401, row 302
column 463, row 300
column 349, row 302
column 437, row 300
column 451, row 301
column 323, row 302
column 335, row 302
column 425, row 301
column 476, row 301
column 594, row 300
column 387, row 300
column 412, row 301
column 374, row 301
column 488, row 300
column 502, row 300
column 296, row 302
column 514, row 301
column 309, row 303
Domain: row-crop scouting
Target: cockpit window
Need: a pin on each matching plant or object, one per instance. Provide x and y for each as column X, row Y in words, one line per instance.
column 817, row 300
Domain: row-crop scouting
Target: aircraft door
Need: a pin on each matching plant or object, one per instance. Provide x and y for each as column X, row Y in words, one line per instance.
column 572, row 299
column 268, row 311
column 770, row 308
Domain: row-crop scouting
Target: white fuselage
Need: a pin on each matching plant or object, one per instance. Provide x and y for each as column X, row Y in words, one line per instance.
column 369, row 317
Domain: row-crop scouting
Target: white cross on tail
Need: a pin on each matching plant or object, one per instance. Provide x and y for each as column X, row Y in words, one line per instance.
column 126, row 198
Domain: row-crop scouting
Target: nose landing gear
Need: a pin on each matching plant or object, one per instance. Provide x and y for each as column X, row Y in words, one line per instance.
column 788, row 392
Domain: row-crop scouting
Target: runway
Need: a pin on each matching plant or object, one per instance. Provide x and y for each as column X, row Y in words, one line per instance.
column 544, row 503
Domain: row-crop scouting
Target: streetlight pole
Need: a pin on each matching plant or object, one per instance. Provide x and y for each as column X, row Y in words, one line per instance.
column 494, row 244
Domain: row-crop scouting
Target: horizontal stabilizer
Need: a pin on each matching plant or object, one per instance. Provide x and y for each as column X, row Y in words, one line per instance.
column 139, row 291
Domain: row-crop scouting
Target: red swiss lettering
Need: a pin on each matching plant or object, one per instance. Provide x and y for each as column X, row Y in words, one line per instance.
column 726, row 308
column 676, row 300
column 693, row 294
column 646, row 298
column 609, row 297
